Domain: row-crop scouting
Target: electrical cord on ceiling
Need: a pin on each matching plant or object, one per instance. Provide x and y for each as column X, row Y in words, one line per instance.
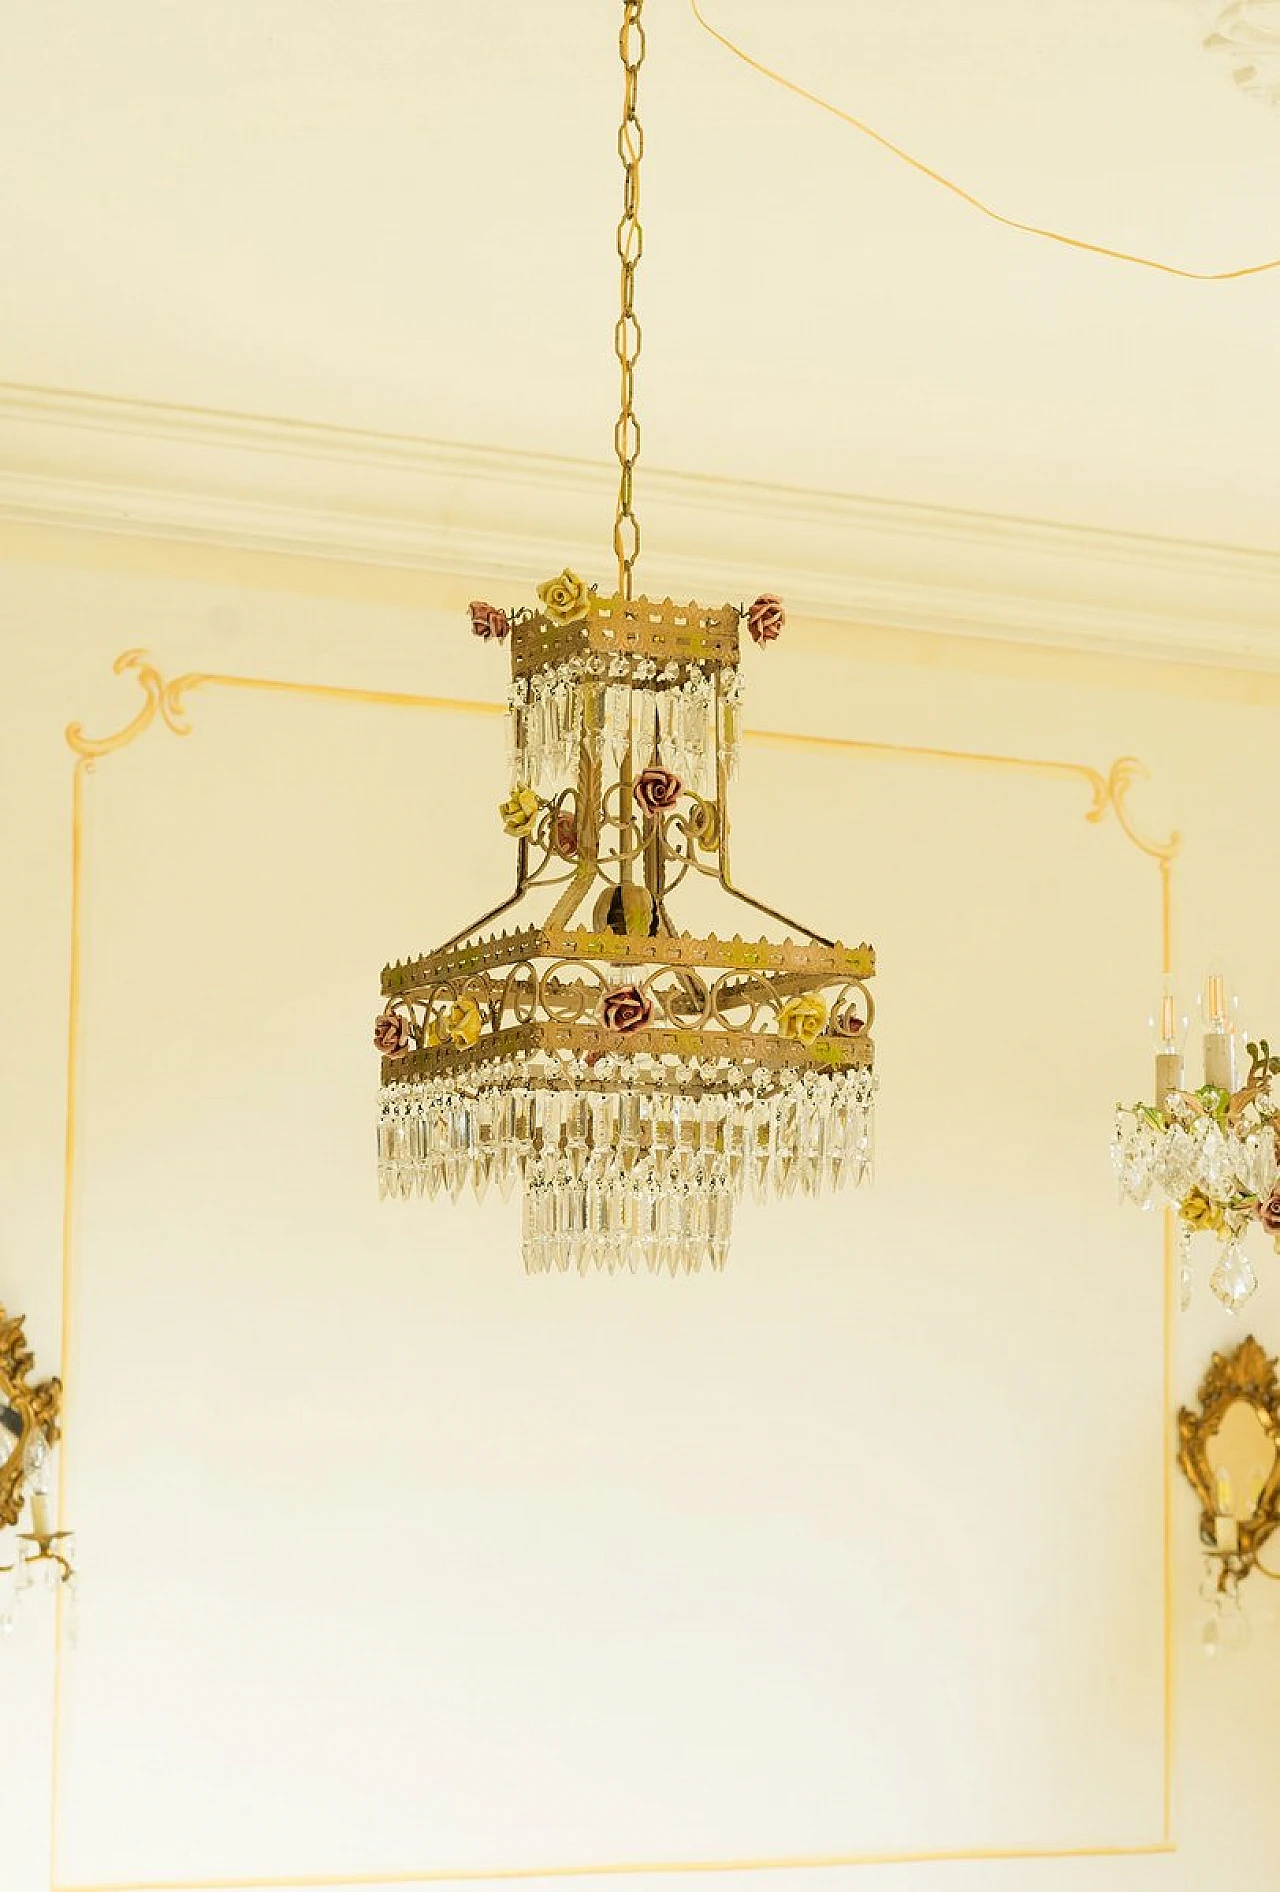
column 958, row 190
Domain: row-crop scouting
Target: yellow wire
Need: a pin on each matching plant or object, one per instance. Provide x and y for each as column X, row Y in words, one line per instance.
column 958, row 190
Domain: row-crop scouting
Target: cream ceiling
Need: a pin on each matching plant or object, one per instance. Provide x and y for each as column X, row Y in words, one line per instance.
column 399, row 218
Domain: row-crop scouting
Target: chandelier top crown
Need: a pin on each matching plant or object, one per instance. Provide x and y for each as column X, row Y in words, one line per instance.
column 641, row 628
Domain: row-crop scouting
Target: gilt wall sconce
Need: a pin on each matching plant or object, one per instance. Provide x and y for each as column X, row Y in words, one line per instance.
column 1230, row 1452
column 28, row 1433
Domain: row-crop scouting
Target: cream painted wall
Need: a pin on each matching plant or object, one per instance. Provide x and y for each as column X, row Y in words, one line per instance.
column 395, row 1562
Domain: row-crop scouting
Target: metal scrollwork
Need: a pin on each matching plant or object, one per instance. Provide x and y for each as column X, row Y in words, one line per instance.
column 27, row 1410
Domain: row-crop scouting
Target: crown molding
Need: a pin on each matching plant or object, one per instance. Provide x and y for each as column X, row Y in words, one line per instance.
column 145, row 470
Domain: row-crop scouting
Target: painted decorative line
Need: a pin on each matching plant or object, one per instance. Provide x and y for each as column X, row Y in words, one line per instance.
column 1124, row 773
column 167, row 700
column 157, row 702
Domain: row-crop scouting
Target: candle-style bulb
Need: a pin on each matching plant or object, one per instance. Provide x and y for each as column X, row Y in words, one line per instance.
column 1168, row 1039
column 1218, row 1018
column 1217, row 1001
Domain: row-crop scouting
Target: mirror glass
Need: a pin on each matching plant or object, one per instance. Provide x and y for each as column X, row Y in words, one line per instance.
column 1241, row 1454
column 10, row 1429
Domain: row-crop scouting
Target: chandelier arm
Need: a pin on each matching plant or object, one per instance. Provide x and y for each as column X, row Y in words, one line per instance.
column 494, row 913
column 522, row 879
column 760, row 906
column 571, row 899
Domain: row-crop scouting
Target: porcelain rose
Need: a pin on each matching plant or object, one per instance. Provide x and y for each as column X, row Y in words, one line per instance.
column 564, row 599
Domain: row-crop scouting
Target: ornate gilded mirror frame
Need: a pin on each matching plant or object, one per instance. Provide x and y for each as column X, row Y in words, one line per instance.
column 1230, row 1452
column 27, row 1410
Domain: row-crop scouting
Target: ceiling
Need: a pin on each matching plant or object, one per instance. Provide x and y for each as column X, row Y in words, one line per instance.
column 400, row 218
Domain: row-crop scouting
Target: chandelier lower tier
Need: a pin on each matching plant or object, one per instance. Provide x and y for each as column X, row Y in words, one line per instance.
column 634, row 1079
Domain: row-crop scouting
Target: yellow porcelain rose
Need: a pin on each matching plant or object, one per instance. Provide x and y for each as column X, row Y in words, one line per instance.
column 1199, row 1213
column 564, row 599
column 463, row 1023
column 803, row 1018
column 520, row 813
column 704, row 823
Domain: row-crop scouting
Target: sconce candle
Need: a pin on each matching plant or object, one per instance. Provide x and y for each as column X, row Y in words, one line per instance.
column 1226, row 1528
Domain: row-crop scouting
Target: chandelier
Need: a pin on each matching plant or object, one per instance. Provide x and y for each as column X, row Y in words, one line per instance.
column 634, row 1078
column 1211, row 1152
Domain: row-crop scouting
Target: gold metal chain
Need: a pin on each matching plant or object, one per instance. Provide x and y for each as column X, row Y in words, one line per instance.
column 626, row 336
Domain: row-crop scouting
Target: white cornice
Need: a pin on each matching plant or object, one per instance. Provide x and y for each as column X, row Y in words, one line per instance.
column 132, row 467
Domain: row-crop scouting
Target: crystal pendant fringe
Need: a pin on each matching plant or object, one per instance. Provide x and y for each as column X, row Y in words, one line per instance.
column 1172, row 1161
column 627, row 1170
column 676, row 712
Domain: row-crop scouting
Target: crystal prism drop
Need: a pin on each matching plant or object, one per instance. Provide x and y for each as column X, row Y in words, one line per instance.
column 1233, row 1280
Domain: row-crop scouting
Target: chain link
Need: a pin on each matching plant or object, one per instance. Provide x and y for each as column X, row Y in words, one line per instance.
column 626, row 338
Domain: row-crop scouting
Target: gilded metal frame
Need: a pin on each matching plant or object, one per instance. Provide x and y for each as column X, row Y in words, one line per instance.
column 166, row 702
column 541, row 980
column 35, row 1404
column 635, row 628
column 1246, row 1373
column 542, row 987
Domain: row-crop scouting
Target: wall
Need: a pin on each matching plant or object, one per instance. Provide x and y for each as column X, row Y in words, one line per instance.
column 396, row 1563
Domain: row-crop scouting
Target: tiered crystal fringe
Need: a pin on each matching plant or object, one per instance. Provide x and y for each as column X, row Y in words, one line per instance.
column 675, row 712
column 620, row 1173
